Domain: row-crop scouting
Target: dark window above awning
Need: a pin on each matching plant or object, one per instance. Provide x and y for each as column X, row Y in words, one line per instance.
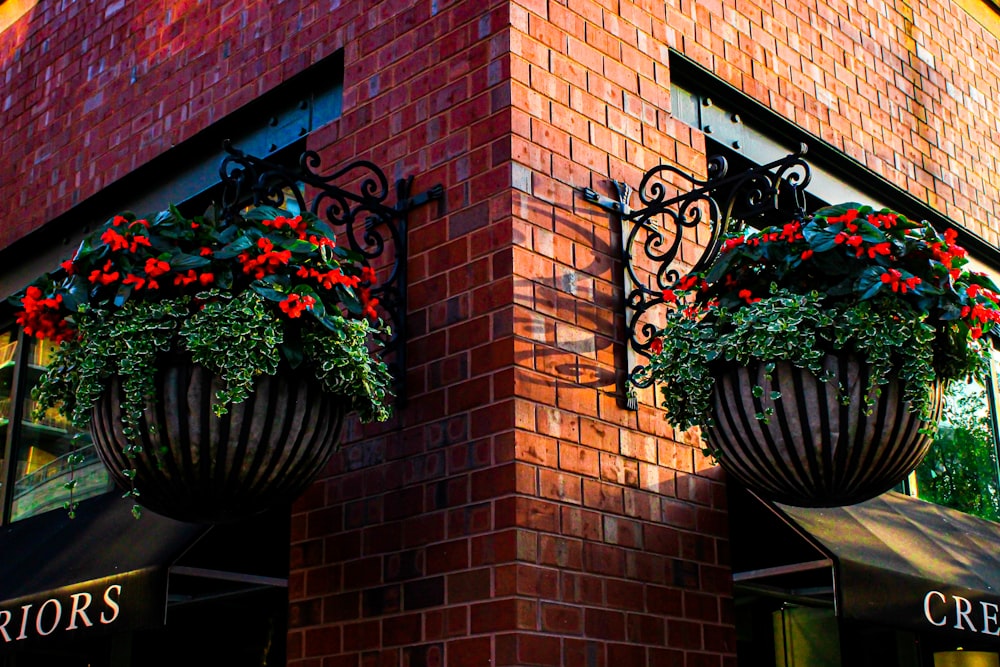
column 105, row 571
column 895, row 560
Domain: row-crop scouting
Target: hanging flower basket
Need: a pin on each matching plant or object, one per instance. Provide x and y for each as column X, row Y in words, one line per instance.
column 819, row 446
column 213, row 360
column 816, row 352
column 195, row 465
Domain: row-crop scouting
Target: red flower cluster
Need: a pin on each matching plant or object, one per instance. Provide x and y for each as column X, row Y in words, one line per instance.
column 42, row 317
column 895, row 280
column 301, row 228
column 791, row 232
column 948, row 253
column 328, row 279
column 104, row 276
column 295, row 304
column 367, row 303
column 267, row 262
column 129, row 241
column 854, row 252
column 173, row 257
column 884, row 220
column 847, row 218
column 184, row 279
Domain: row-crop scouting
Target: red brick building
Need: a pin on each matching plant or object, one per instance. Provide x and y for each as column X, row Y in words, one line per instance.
column 514, row 511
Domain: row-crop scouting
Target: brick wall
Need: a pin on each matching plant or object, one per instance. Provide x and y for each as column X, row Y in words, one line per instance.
column 92, row 90
column 512, row 513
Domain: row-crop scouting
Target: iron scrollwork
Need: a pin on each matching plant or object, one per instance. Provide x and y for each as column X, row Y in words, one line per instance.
column 369, row 224
column 652, row 235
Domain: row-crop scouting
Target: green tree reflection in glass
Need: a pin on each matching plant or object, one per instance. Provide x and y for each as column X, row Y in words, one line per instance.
column 960, row 471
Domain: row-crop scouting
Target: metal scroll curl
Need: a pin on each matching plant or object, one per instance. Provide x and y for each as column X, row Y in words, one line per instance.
column 354, row 201
column 678, row 207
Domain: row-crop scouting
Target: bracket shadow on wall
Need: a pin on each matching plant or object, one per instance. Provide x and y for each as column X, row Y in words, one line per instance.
column 673, row 202
column 354, row 200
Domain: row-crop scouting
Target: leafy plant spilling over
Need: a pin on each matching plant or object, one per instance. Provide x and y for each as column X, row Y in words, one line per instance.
column 849, row 279
column 243, row 297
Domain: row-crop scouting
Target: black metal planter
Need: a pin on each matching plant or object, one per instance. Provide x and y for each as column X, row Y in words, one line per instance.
column 195, row 466
column 815, row 450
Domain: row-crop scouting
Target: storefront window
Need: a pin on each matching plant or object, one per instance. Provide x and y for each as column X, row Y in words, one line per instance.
column 48, row 465
column 8, row 357
column 961, row 471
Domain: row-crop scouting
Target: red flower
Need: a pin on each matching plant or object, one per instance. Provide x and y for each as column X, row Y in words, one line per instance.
column 267, row 262
column 295, row 304
column 792, row 231
column 368, row 303
column 850, row 216
column 687, row 282
column 43, row 318
column 883, row 220
column 105, row 276
column 192, row 276
column 656, row 345
column 114, row 240
column 895, row 280
column 852, row 240
column 134, row 280
column 883, row 248
column 732, row 243
column 156, row 267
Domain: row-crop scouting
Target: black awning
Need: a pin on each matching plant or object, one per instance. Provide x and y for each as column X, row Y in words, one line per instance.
column 106, row 571
column 896, row 561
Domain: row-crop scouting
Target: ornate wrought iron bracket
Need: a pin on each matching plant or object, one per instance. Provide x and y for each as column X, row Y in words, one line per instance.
column 353, row 199
column 652, row 234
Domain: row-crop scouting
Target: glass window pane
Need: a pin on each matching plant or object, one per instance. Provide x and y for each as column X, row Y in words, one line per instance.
column 43, row 468
column 8, row 357
column 960, row 471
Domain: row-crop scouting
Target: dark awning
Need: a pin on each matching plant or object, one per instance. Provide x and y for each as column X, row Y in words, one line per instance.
column 106, row 571
column 895, row 560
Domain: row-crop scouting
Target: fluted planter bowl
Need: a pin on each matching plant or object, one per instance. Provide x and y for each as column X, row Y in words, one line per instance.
column 197, row 467
column 816, row 450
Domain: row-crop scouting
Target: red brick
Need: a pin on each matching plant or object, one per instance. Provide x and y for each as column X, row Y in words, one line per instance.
column 529, row 649
column 500, row 615
column 447, row 556
column 450, row 621
column 469, row 586
column 472, row 652
column 605, row 624
column 562, row 619
column 322, row 641
column 538, row 515
column 605, row 497
column 626, row 654
column 582, row 523
column 579, row 460
column 535, row 582
column 560, row 552
column 560, row 486
column 400, row 630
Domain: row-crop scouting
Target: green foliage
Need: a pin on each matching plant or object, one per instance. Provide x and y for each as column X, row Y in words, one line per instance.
column 848, row 279
column 960, row 470
column 236, row 338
